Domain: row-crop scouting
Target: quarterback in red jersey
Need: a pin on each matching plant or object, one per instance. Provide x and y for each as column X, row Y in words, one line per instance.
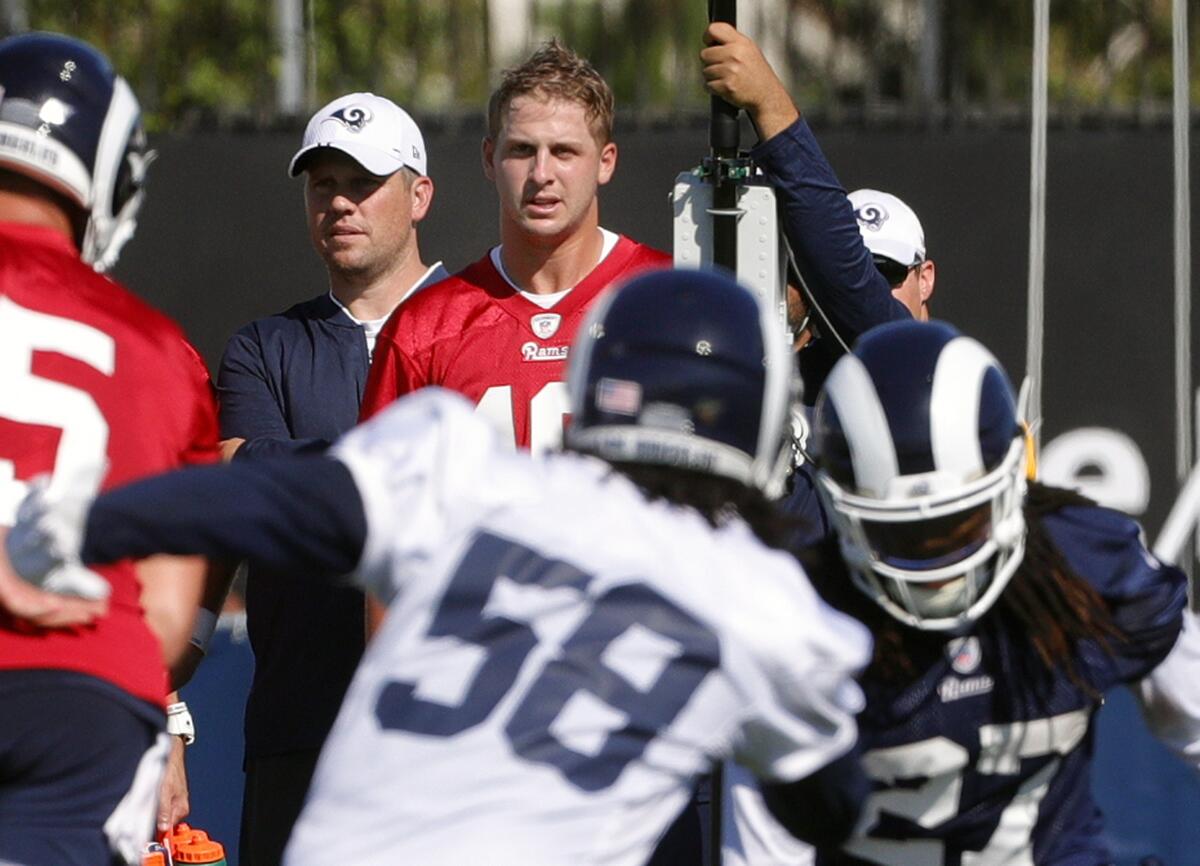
column 98, row 389
column 476, row 334
column 499, row 331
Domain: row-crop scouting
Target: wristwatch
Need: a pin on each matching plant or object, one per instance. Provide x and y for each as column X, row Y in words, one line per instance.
column 180, row 724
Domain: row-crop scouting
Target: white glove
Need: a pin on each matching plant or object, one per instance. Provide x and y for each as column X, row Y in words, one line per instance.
column 43, row 546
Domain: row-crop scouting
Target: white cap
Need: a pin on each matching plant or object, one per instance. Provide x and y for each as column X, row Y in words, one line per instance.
column 377, row 132
column 888, row 226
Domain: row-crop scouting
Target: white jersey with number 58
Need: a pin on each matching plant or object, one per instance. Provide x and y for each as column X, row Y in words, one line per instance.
column 560, row 658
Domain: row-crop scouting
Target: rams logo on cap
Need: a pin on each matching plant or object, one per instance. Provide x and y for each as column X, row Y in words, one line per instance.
column 871, row 216
column 353, row 117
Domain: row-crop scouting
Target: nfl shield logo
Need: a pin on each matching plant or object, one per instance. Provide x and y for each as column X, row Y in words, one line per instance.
column 545, row 325
column 965, row 654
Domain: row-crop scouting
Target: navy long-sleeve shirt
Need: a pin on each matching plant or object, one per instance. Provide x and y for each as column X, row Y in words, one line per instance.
column 289, row 514
column 837, row 267
column 292, row 383
column 821, row 229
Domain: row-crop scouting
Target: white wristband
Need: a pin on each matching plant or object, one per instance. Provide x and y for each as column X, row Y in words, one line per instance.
column 202, row 631
column 180, row 724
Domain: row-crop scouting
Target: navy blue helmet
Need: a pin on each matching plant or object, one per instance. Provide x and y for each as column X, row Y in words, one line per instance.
column 684, row 368
column 923, row 472
column 70, row 122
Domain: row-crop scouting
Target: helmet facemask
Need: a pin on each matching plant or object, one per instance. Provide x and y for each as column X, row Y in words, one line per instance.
column 937, row 551
column 923, row 473
column 117, row 183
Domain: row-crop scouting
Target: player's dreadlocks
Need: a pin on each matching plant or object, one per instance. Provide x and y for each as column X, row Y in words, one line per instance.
column 1046, row 600
column 1050, row 601
column 717, row 499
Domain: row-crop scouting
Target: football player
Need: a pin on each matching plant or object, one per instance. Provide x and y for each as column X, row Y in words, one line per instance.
column 569, row 644
column 96, row 389
column 500, row 330
column 1002, row 609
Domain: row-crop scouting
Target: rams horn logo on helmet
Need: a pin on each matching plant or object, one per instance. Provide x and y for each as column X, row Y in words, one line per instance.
column 871, row 216
column 353, row 117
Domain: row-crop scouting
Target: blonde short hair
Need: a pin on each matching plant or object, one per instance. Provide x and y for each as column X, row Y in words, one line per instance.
column 556, row 72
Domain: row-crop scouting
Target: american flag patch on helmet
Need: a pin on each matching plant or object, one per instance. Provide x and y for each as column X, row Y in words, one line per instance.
column 618, row 396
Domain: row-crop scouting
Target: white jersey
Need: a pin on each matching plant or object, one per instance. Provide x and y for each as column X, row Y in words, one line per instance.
column 750, row 834
column 560, row 658
column 1170, row 695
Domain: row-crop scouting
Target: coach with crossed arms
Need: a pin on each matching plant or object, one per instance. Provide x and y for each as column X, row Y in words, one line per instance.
column 293, row 382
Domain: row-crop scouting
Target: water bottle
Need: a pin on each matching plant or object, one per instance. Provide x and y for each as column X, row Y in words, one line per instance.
column 193, row 846
column 156, row 854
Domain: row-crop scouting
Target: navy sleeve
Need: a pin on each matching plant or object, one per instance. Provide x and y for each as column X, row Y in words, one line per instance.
column 821, row 809
column 301, row 514
column 1146, row 597
column 803, row 504
column 251, row 407
column 821, row 229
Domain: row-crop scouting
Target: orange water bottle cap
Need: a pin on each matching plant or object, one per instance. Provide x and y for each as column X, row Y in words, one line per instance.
column 188, row 845
column 178, row 833
column 200, row 851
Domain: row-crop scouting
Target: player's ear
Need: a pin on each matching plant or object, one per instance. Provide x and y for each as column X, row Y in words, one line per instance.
column 488, row 151
column 422, row 197
column 926, row 276
column 608, row 162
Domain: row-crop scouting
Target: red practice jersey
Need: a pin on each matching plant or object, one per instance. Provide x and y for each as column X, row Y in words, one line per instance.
column 475, row 334
column 91, row 377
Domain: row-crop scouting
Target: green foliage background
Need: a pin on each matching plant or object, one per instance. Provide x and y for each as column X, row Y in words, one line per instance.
column 200, row 63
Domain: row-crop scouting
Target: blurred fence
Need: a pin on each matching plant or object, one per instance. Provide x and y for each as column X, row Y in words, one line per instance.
column 236, row 63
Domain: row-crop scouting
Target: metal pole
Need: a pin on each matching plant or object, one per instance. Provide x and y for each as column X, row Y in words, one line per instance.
column 310, row 35
column 723, row 137
column 16, row 16
column 289, row 23
column 929, row 63
column 510, row 29
column 1181, row 520
column 1035, row 317
column 1184, row 436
